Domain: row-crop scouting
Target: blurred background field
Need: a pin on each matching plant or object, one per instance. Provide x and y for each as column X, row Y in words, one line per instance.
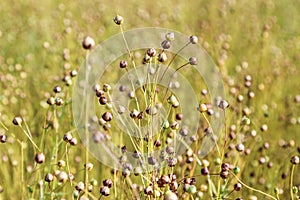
column 40, row 41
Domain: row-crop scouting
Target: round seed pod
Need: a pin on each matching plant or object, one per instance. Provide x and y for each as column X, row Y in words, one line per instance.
column 172, row 162
column 88, row 42
column 170, row 36
column 193, row 61
column 39, row 158
column 223, row 104
column 169, row 195
column 58, row 101
column 3, row 138
column 148, row 190
column 61, row 163
column 193, row 39
column 225, row 166
column 224, row 174
column 123, row 64
column 179, row 116
column 89, row 166
column 162, row 57
column 51, row 101
column 204, row 171
column 107, row 116
column 151, row 52
column 118, row 20
column 240, row 147
column 73, row 73
column 202, row 107
column 79, row 186
column 17, row 121
column 49, row 177
column 237, row 187
column 152, row 160
column 106, row 87
column 295, row 160
column 57, row 89
column 166, row 44
column 67, row 137
column 102, row 100
column 104, row 190
column 62, row 177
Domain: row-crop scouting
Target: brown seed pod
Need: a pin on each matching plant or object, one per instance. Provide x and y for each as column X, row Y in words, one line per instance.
column 39, row 158
column 104, row 190
column 108, row 183
column 107, row 116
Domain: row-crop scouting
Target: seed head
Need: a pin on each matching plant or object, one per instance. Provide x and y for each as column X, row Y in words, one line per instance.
column 202, row 107
column 73, row 73
column 3, row 138
column 151, row 52
column 107, row 116
column 193, row 61
column 79, row 186
column 89, row 166
column 62, row 177
column 118, row 20
column 51, row 101
column 57, row 89
column 49, row 177
column 67, row 137
column 108, row 183
column 169, row 195
column 223, row 104
column 123, row 64
column 237, row 187
column 162, row 57
column 17, row 121
column 61, row 163
column 193, row 39
column 166, row 44
column 88, row 42
column 148, row 190
column 39, row 158
column 104, row 190
column 170, row 36
column 295, row 160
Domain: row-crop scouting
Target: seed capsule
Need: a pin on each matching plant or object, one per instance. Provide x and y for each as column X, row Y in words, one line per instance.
column 107, row 116
column 79, row 186
column 193, row 61
column 108, row 183
column 162, row 57
column 193, row 39
column 295, row 160
column 88, row 42
column 166, row 44
column 3, row 138
column 39, row 158
column 118, row 20
column 17, row 121
column 151, row 52
column 104, row 190
column 57, row 89
column 237, row 187
column 123, row 64
column 49, row 177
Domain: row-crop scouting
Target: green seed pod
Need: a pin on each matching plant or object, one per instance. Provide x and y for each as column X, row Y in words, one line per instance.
column 169, row 195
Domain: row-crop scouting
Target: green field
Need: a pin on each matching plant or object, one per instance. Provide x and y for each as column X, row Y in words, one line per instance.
column 255, row 47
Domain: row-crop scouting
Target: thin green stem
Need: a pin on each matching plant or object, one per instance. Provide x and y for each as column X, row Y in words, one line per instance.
column 291, row 181
column 251, row 188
